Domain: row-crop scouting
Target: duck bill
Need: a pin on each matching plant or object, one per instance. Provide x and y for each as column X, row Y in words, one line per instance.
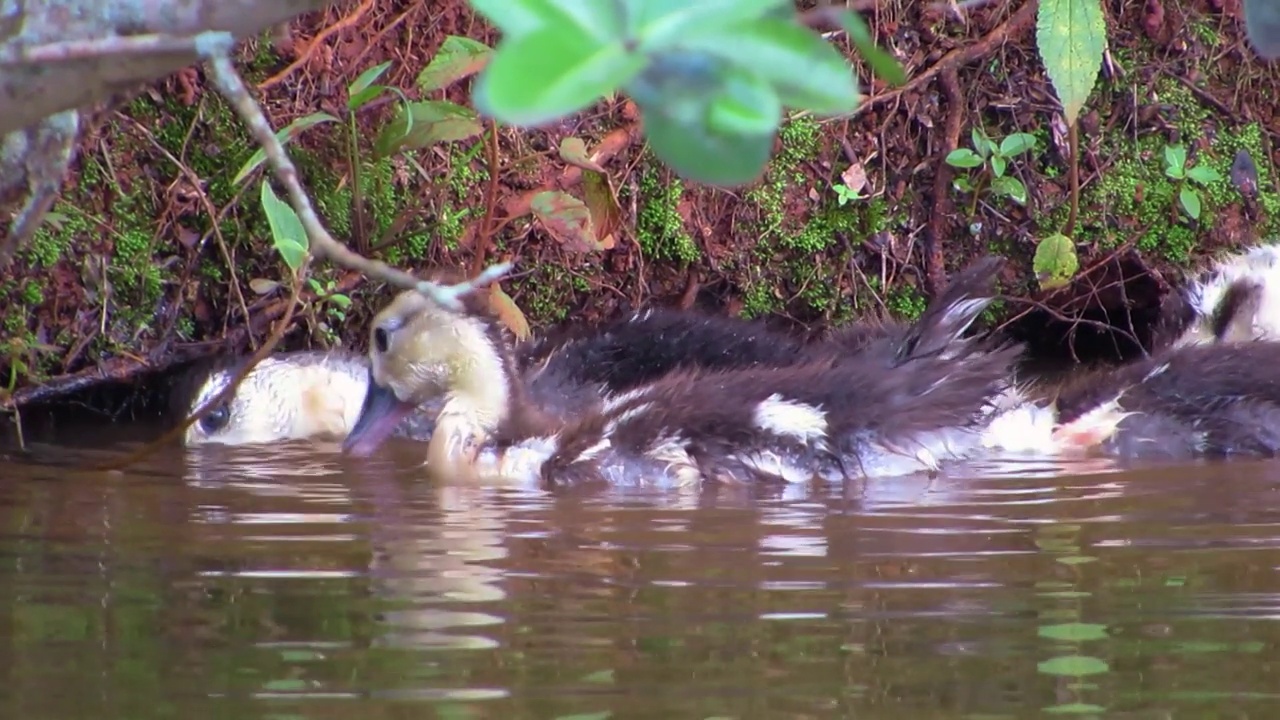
column 379, row 415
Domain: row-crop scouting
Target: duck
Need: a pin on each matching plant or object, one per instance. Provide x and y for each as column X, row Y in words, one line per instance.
column 912, row 399
column 1235, row 299
column 301, row 395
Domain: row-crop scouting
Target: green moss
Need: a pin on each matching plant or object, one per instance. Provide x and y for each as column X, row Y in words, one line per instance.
column 32, row 294
column 659, row 227
column 906, row 301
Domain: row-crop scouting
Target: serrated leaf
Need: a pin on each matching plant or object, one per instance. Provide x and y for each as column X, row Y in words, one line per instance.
column 1073, row 665
column 284, row 135
column 1262, row 27
column 1016, row 144
column 573, row 150
column 567, row 219
column 1071, row 36
column 1190, row 200
column 1010, row 187
column 602, row 201
column 263, row 286
column 1074, row 632
column 804, row 70
column 1204, row 174
column 658, row 24
column 1055, row 261
column 287, row 233
column 551, row 72
column 362, row 89
column 963, row 158
column 881, row 62
column 508, row 312
column 426, row 123
column 458, row 58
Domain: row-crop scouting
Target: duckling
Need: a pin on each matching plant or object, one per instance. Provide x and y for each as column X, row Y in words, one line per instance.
column 911, row 400
column 1236, row 300
column 287, row 396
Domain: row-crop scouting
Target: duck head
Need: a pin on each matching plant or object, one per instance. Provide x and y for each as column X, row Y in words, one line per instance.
column 290, row 396
column 420, row 351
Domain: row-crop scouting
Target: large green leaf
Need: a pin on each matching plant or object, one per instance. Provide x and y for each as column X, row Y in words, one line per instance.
column 697, row 153
column 807, row 71
column 551, row 72
column 603, row 21
column 1071, row 36
column 457, row 58
column 1055, row 261
column 287, row 233
column 881, row 62
column 284, row 135
column 657, row 24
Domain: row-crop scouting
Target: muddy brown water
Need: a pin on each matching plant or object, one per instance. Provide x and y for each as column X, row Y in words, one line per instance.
column 291, row 582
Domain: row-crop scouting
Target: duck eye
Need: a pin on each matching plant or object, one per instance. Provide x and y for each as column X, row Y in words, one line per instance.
column 217, row 419
column 380, row 340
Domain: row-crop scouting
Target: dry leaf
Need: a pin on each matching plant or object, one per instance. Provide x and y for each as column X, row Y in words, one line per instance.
column 574, row 151
column 855, row 177
column 567, row 219
column 508, row 312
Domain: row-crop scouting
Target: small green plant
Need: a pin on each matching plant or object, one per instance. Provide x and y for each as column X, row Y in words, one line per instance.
column 332, row 304
column 845, row 194
column 1175, row 166
column 994, row 160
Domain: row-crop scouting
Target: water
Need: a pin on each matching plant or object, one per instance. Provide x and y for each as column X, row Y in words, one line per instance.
column 295, row 583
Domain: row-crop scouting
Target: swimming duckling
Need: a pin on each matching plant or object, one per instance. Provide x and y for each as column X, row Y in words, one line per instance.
column 287, row 396
column 1236, row 300
column 910, row 401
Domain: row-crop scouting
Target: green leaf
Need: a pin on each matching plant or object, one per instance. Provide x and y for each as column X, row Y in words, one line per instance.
column 998, row 166
column 1071, row 36
column 426, row 123
column 1074, row 632
column 1076, row 709
column 284, row 135
column 1175, row 158
column 1073, row 665
column 1204, row 174
column 287, row 234
column 1010, row 187
column 746, row 106
column 567, row 219
column 662, row 24
column 573, row 150
column 551, row 72
column 362, row 89
column 518, row 18
column 1016, row 144
column 340, row 300
column 806, row 71
column 962, row 184
column 1055, row 262
column 881, row 62
column 963, row 158
column 1262, row 27
column 698, row 154
column 1190, row 200
column 458, row 57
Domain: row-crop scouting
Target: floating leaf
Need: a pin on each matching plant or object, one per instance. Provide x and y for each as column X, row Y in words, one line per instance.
column 602, row 201
column 1262, row 27
column 567, row 219
column 1074, row 632
column 1204, row 174
column 881, row 62
column 1077, row 560
column 362, row 89
column 804, row 70
column 1073, row 665
column 287, row 233
column 426, row 123
column 1071, row 36
column 508, row 312
column 1016, row 144
column 1075, row 709
column 263, row 286
column 573, row 150
column 284, row 135
column 458, row 57
column 1055, row 262
column 601, row 677
column 1190, row 200
column 551, row 72
column 964, row 158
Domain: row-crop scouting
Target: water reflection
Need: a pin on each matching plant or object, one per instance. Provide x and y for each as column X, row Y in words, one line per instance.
column 290, row 581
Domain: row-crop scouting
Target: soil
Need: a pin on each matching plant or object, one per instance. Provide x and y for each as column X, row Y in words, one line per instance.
column 133, row 274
